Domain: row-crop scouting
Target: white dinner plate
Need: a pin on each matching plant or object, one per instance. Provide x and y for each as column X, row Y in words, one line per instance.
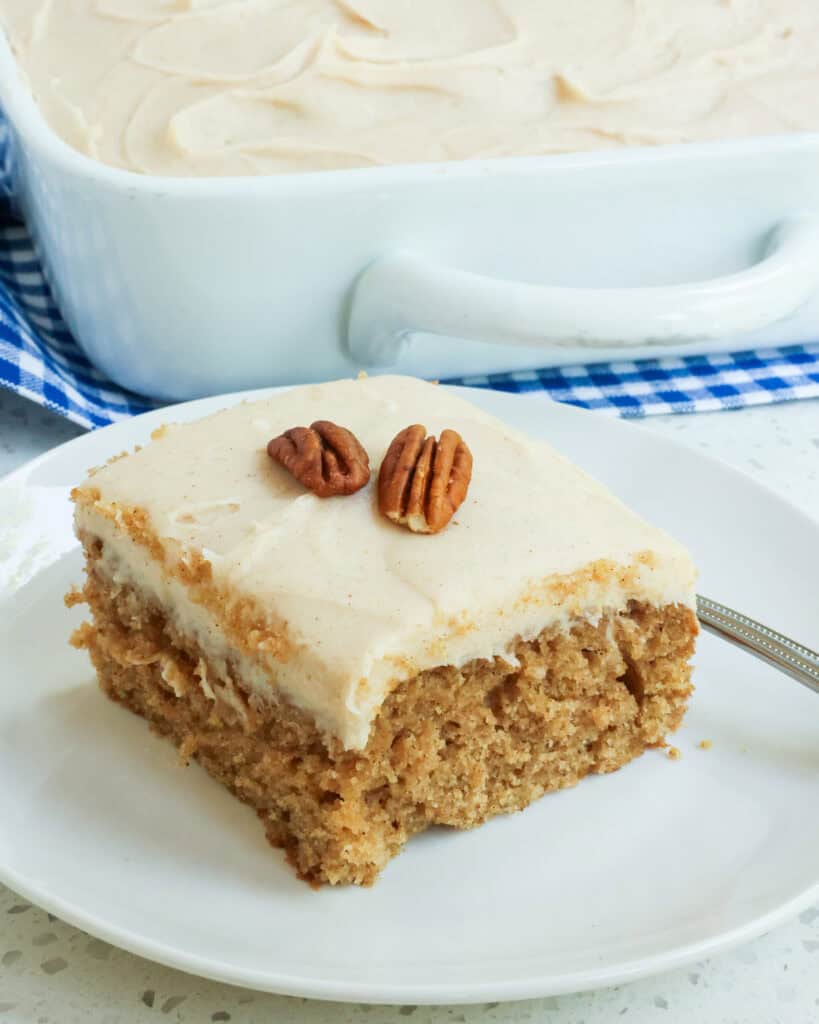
column 658, row 864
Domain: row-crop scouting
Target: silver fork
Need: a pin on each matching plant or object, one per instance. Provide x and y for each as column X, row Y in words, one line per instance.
column 801, row 663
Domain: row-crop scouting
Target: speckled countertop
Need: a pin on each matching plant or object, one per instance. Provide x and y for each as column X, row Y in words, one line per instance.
column 51, row 973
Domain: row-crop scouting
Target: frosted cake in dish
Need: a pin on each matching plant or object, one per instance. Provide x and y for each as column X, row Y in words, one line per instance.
column 247, row 87
column 260, row 595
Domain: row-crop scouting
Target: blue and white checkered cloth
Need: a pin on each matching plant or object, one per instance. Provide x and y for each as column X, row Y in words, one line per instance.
column 654, row 387
column 40, row 360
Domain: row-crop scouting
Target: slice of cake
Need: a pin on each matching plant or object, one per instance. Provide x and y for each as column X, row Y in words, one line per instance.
column 260, row 593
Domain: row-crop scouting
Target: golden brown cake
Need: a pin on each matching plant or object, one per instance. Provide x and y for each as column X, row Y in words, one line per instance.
column 355, row 682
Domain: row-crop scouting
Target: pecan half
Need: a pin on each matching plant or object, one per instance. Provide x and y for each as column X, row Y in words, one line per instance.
column 326, row 458
column 422, row 481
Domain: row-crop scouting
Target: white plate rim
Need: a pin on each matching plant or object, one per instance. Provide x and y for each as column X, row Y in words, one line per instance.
column 434, row 993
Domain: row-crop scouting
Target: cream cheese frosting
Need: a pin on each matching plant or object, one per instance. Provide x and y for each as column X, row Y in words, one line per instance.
column 364, row 603
column 223, row 87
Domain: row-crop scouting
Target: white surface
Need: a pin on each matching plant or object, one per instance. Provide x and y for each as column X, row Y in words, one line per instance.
column 402, row 293
column 785, row 997
column 153, row 275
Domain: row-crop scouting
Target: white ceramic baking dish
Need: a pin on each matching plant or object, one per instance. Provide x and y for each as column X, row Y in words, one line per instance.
column 183, row 287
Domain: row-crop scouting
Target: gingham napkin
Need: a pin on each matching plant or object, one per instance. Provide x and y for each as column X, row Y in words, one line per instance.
column 40, row 360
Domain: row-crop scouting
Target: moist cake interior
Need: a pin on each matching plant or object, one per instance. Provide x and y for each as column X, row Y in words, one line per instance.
column 355, row 683
column 449, row 747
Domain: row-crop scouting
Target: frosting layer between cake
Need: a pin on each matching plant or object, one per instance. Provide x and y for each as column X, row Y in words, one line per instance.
column 343, row 604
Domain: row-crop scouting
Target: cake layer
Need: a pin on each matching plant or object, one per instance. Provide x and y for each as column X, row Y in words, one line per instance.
column 326, row 602
column 215, row 87
column 449, row 747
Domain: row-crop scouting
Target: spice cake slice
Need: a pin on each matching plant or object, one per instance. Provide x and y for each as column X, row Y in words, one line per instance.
column 352, row 680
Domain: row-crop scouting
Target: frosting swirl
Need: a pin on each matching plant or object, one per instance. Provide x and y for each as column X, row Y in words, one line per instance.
column 218, row 87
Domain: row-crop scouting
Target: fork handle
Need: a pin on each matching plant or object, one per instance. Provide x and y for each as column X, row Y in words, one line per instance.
column 801, row 663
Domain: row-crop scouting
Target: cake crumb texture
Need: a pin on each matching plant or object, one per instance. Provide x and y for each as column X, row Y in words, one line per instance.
column 449, row 747
column 328, row 601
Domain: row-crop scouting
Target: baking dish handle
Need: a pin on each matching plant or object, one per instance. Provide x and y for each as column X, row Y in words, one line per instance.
column 402, row 293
